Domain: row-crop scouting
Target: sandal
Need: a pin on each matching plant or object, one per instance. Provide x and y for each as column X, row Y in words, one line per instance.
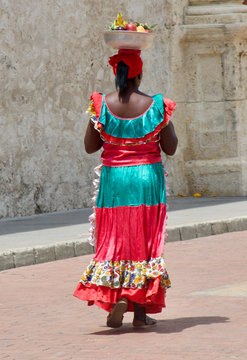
column 144, row 322
column 115, row 317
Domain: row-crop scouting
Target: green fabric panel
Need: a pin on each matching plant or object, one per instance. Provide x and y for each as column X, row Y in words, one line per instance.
column 131, row 186
column 133, row 128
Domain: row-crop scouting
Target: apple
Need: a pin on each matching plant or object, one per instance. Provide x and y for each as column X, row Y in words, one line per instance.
column 147, row 31
column 131, row 27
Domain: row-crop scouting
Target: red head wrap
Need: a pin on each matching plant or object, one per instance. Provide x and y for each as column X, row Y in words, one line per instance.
column 131, row 58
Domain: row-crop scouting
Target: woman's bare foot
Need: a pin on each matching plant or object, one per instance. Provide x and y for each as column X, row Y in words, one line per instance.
column 115, row 317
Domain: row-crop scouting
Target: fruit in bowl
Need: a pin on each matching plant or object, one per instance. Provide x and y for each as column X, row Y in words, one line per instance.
column 118, row 24
column 131, row 27
column 122, row 34
column 121, row 24
column 144, row 27
column 140, row 29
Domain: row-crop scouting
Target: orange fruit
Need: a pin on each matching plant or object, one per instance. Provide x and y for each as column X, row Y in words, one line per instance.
column 140, row 29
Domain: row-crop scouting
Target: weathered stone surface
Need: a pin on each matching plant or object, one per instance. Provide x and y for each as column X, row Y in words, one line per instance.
column 44, row 253
column 220, row 13
column 6, row 260
column 173, row 234
column 237, row 224
column 219, row 228
column 83, row 248
column 215, row 97
column 203, row 229
column 187, row 232
column 24, row 257
column 207, row 176
column 52, row 57
column 64, row 250
column 214, row 2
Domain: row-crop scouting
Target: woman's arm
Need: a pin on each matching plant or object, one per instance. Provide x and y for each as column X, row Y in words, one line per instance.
column 168, row 139
column 92, row 139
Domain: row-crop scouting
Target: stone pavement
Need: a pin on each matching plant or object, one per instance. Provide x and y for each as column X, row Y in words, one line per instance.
column 205, row 318
column 48, row 237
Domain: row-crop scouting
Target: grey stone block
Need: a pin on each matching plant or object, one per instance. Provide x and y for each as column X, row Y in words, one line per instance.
column 219, row 227
column 6, row 260
column 83, row 248
column 24, row 257
column 173, row 234
column 44, row 254
column 203, row 229
column 243, row 224
column 188, row 232
column 64, row 250
column 237, row 224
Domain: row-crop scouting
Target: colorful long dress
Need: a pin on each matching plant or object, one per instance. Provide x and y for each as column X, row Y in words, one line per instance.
column 130, row 211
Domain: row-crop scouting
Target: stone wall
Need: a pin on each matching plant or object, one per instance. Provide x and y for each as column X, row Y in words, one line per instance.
column 52, row 57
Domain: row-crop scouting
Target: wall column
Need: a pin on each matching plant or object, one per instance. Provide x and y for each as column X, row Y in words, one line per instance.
column 214, row 52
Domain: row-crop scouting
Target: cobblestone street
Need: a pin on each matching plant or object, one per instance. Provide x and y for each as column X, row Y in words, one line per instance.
column 205, row 318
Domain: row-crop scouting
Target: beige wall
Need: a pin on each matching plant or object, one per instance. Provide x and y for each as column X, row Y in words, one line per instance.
column 214, row 43
column 52, row 57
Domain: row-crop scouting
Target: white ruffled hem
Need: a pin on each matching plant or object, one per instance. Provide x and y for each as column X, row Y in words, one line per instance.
column 92, row 218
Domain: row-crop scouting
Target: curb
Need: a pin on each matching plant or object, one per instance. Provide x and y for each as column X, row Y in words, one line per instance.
column 14, row 258
column 207, row 228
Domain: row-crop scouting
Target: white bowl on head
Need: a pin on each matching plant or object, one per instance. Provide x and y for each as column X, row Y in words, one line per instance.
column 125, row 39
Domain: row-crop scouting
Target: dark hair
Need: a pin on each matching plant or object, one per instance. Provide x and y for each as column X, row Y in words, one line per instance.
column 121, row 79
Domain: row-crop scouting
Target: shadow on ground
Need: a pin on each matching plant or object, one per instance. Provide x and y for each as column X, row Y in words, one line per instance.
column 166, row 326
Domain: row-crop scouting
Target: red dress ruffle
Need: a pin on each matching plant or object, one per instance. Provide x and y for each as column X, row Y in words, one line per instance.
column 153, row 297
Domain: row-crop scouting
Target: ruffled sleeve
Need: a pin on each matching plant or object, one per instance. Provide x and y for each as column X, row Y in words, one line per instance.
column 91, row 111
column 169, row 107
column 97, row 100
column 94, row 109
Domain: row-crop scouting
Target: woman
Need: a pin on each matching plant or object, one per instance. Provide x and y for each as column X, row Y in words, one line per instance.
column 128, row 271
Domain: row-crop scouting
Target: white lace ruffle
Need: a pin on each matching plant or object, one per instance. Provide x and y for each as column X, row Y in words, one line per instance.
column 167, row 194
column 92, row 218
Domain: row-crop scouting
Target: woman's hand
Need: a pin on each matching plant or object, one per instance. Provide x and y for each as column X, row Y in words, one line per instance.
column 92, row 139
column 168, row 139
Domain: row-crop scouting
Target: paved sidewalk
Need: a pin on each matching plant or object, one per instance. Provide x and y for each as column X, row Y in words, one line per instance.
column 205, row 318
column 55, row 236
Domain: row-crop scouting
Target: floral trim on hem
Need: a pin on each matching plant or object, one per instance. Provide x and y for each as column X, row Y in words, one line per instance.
column 126, row 273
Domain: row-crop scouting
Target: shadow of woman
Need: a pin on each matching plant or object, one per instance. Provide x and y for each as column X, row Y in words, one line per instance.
column 167, row 326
